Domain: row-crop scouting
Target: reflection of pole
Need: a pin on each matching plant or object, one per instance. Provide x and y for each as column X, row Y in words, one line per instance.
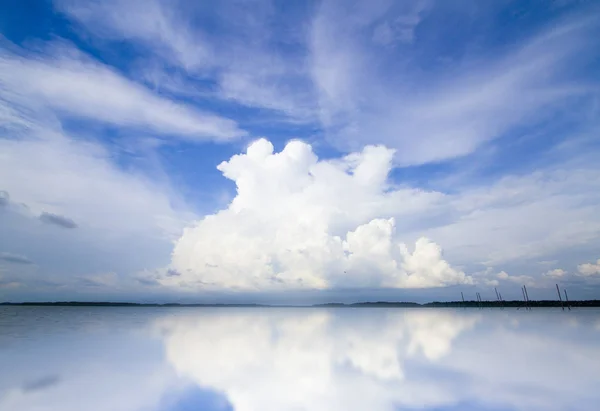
column 527, row 296
column 524, row 298
column 567, row 299
column 559, row 297
column 463, row 298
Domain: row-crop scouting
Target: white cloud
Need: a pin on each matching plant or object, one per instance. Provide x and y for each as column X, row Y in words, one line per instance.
column 490, row 279
column 426, row 266
column 518, row 279
column 297, row 222
column 589, row 269
column 556, row 273
column 67, row 81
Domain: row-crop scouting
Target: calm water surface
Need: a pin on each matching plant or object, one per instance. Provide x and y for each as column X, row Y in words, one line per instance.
column 70, row 358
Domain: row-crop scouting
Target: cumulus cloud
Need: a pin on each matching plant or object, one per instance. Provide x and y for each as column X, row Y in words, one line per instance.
column 57, row 220
column 589, row 269
column 15, row 258
column 518, row 279
column 490, row 278
column 556, row 273
column 301, row 222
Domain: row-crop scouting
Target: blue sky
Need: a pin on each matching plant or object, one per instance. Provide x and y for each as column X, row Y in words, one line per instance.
column 306, row 151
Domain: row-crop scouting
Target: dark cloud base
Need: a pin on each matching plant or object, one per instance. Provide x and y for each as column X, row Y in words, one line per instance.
column 58, row 220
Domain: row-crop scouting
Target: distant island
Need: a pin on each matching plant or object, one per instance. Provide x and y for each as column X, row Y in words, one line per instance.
column 457, row 304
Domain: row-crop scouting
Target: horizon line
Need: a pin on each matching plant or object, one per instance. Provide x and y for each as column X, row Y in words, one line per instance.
column 474, row 303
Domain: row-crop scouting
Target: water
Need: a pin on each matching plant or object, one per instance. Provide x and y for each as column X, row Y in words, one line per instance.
column 97, row 358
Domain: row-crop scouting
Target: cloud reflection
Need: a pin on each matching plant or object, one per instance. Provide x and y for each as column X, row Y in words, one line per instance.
column 383, row 359
column 312, row 359
column 170, row 359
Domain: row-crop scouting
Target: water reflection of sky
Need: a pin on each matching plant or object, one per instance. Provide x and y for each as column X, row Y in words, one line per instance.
column 150, row 359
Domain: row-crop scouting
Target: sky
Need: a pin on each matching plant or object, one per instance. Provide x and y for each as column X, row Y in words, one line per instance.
column 298, row 151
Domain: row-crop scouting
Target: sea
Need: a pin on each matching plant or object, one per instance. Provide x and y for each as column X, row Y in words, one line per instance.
column 303, row 358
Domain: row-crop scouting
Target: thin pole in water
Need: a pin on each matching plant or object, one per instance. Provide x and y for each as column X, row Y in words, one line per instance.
column 527, row 296
column 559, row 297
column 501, row 301
column 463, row 299
column 567, row 299
column 497, row 295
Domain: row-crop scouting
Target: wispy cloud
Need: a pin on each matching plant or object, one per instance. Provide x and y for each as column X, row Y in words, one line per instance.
column 359, row 71
column 66, row 81
column 67, row 183
column 435, row 115
column 155, row 24
column 57, row 220
column 244, row 59
column 100, row 280
column 41, row 383
column 522, row 217
column 15, row 258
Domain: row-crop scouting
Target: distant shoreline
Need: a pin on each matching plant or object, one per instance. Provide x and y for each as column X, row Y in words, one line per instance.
column 458, row 304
